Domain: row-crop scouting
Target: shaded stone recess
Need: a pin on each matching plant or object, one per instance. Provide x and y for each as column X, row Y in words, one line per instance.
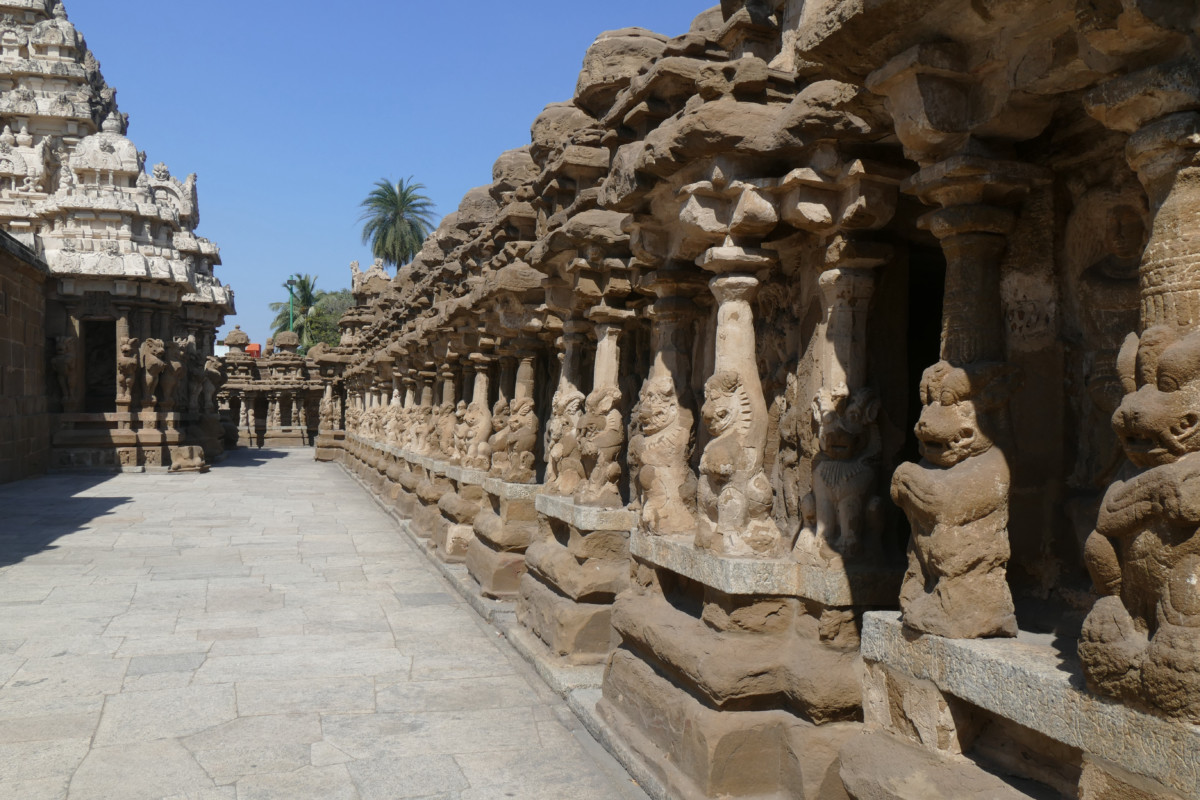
column 24, row 422
column 813, row 312
column 130, row 304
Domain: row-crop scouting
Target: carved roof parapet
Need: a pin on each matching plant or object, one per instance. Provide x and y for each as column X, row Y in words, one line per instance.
column 1076, row 44
column 513, row 171
column 611, row 62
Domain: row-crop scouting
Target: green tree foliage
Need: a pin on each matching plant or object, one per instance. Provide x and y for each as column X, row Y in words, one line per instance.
column 304, row 298
column 323, row 323
column 396, row 219
column 316, row 312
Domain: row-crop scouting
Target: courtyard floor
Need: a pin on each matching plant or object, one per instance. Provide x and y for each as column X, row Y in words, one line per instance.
column 262, row 631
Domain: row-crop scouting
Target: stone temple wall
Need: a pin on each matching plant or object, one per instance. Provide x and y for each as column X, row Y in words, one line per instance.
column 24, row 424
column 818, row 391
column 133, row 303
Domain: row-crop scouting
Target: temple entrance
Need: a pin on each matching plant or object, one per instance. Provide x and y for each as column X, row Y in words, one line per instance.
column 100, row 366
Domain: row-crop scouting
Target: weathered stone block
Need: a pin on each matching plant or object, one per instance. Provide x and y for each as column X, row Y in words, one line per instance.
column 759, row 754
column 581, row 633
column 497, row 573
column 450, row 542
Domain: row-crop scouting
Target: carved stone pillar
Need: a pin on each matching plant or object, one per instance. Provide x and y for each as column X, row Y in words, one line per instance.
column 844, row 416
column 659, row 455
column 508, row 367
column 127, row 363
column 1138, row 642
column 735, row 495
column 958, row 588
column 956, row 585
column 514, row 449
column 410, row 389
column 479, row 416
column 564, row 467
column 602, row 429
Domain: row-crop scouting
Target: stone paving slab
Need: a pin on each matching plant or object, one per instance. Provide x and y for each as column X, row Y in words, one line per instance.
column 262, row 631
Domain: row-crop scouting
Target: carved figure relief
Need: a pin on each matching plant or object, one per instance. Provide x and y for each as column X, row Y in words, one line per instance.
column 214, row 379
column 461, row 433
column 447, row 420
column 479, row 428
column 62, row 364
column 734, row 494
column 564, row 467
column 842, row 515
column 152, row 356
column 662, row 449
column 171, row 382
column 325, row 410
column 1139, row 642
column 521, row 442
column 195, row 366
column 128, row 363
column 601, row 436
column 498, row 441
column 956, row 500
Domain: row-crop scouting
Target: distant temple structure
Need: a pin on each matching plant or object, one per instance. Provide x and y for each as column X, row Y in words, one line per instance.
column 116, row 348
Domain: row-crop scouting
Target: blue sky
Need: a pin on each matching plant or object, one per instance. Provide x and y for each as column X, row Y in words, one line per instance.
column 290, row 110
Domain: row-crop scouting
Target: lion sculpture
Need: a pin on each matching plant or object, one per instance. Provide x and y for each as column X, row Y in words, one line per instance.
column 956, row 500
column 1140, row 641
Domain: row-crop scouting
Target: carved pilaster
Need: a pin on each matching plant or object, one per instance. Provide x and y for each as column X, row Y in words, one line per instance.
column 1138, row 642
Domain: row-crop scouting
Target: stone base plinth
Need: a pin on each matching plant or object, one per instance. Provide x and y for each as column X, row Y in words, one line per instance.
column 881, row 766
column 579, row 633
column 699, row 752
column 1033, row 692
column 329, row 445
column 497, row 572
column 450, row 541
column 575, row 572
column 776, row 649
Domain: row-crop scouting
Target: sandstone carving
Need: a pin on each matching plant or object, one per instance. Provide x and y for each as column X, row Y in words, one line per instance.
column 479, row 428
column 564, row 465
column 842, row 516
column 663, row 449
column 127, row 368
column 957, row 501
column 1139, row 640
column 517, row 465
column 716, row 280
column 734, row 493
column 601, row 436
column 151, row 357
column 188, row 459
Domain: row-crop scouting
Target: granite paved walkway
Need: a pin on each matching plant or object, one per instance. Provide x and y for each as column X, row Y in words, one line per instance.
column 262, row 631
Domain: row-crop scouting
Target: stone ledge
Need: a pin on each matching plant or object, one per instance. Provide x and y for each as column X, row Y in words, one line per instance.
column 510, row 491
column 768, row 576
column 881, row 766
column 586, row 518
column 1031, row 683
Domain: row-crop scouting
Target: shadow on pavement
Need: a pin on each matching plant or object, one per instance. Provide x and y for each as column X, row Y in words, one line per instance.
column 247, row 457
column 37, row 512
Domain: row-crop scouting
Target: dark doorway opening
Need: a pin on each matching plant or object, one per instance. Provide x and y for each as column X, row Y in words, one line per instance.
column 100, row 366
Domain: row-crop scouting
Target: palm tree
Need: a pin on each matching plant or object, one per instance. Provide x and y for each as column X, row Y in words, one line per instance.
column 396, row 218
column 306, row 298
